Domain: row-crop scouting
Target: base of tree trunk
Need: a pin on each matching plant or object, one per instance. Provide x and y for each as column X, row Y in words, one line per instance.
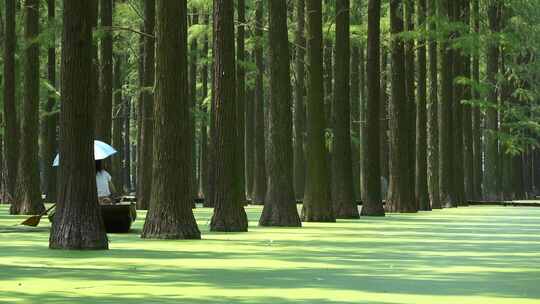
column 171, row 232
column 26, row 207
column 424, row 208
column 346, row 211
column 230, row 222
column 391, row 208
column 313, row 215
column 280, row 215
column 82, row 234
column 372, row 210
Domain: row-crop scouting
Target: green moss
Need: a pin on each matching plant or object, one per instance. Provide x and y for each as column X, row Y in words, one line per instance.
column 465, row 255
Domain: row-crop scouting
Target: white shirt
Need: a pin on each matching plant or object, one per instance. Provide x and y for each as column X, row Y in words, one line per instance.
column 102, row 181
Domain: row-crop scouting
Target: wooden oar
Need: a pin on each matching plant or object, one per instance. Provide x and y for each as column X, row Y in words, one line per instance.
column 33, row 221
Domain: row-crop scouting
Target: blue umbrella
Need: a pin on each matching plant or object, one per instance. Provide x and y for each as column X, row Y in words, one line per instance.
column 101, row 151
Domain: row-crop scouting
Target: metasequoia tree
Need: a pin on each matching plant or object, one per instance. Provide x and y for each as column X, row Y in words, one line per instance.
column 446, row 171
column 259, row 170
column 317, row 204
column 279, row 204
column 432, row 114
column 421, row 188
column 229, row 214
column 11, row 129
column 27, row 193
column 77, row 222
column 342, row 193
column 146, row 108
column 400, row 195
column 105, row 101
column 50, row 119
column 170, row 215
column 299, row 107
column 372, row 206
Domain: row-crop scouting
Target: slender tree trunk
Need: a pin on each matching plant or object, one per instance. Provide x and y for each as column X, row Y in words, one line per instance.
column 492, row 69
column 203, row 171
column 476, row 115
column 50, row 144
column 241, row 97
column 250, row 141
column 459, row 93
column 28, row 193
column 259, row 183
column 345, row 205
column 432, row 114
column 410, row 72
column 384, row 131
column 145, row 177
column 317, row 201
column 421, row 190
column 279, row 204
column 299, row 107
column 127, row 146
column 104, row 107
column 355, row 118
column 193, row 57
column 229, row 214
column 118, row 124
column 11, row 129
column 77, row 222
column 372, row 204
column 170, row 215
column 445, row 114
column 400, row 195
column 468, row 155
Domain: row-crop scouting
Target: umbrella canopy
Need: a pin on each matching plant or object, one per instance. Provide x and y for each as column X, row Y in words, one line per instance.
column 101, row 151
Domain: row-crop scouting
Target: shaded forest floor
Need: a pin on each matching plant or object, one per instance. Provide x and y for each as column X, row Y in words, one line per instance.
column 465, row 255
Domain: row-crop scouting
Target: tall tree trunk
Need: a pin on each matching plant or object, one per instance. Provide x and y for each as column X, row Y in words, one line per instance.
column 384, row 142
column 11, row 129
column 229, row 214
column 50, row 144
column 127, row 146
column 241, row 98
column 459, row 93
column 28, row 193
column 468, row 155
column 118, row 125
column 193, row 57
column 432, row 113
column 104, row 107
column 342, row 193
column 492, row 69
column 476, row 115
column 445, row 114
column 355, row 118
column 279, row 204
column 259, row 171
column 299, row 107
column 170, row 215
column 145, row 178
column 421, row 190
column 400, row 195
column 203, row 171
column 77, row 222
column 372, row 204
column 410, row 76
column 317, row 201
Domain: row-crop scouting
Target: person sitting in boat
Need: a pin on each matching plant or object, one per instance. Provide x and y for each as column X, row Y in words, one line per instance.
column 104, row 184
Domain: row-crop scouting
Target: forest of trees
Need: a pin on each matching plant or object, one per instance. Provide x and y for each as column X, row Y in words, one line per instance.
column 403, row 105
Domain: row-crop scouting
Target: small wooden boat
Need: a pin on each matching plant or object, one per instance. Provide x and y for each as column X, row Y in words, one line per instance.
column 116, row 217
